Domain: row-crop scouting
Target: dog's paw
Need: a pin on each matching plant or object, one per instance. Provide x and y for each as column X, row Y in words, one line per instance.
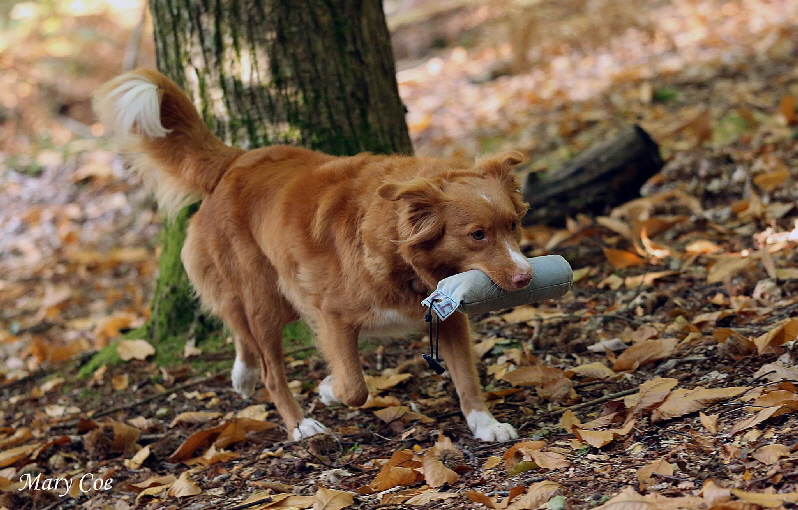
column 244, row 378
column 487, row 428
column 326, row 394
column 308, row 427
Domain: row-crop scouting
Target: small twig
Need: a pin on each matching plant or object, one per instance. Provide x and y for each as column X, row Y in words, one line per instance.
column 142, row 401
column 590, row 403
column 243, row 506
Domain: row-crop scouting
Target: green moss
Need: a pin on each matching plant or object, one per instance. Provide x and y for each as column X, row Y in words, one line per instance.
column 107, row 356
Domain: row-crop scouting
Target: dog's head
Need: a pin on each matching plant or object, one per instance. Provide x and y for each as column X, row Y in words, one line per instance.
column 458, row 219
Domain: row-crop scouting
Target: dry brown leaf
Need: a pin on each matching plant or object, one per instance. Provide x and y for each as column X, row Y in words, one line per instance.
column 599, row 438
column 621, row 259
column 628, row 499
column 766, row 500
column 682, row 401
column 491, row 462
column 710, row 422
column 549, row 460
column 771, row 453
column 255, row 412
column 754, row 420
column 125, row 437
column 591, row 371
column 378, row 401
column 772, row 341
column 153, row 481
column 481, row 498
column 237, row 429
column 787, row 109
column 184, row 486
column 134, row 349
column 390, row 414
column 138, row 459
column 329, row 499
column 120, row 382
column 194, row 417
column 428, row 497
column 13, row 455
column 569, row 420
column 536, row 495
column 644, row 352
column 728, row 266
column 651, row 394
column 770, row 181
column 19, row 436
column 435, row 472
column 401, row 469
column 645, row 475
column 534, row 376
column 385, row 382
column 200, row 439
column 714, row 494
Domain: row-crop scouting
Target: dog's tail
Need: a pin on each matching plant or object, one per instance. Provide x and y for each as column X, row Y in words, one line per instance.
column 164, row 137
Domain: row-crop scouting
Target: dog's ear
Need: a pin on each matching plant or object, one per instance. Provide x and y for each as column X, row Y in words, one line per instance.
column 501, row 165
column 418, row 190
column 423, row 197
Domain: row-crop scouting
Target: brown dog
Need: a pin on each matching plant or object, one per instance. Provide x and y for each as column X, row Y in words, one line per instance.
column 349, row 244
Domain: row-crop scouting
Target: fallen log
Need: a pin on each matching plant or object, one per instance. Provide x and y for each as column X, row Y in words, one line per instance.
column 604, row 176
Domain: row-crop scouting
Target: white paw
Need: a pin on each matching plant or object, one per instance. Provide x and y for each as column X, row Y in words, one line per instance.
column 487, row 428
column 244, row 378
column 308, row 427
column 325, row 390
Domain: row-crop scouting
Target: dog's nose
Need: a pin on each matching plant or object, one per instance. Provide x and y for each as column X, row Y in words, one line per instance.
column 522, row 280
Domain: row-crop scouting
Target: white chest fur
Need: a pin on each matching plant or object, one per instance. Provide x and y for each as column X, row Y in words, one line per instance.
column 386, row 322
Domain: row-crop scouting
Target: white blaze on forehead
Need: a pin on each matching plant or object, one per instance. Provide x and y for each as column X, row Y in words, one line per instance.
column 518, row 258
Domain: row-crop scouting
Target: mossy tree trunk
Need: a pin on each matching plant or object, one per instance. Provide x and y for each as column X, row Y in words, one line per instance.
column 318, row 74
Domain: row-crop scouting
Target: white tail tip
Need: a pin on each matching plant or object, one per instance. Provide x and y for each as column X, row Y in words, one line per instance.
column 130, row 105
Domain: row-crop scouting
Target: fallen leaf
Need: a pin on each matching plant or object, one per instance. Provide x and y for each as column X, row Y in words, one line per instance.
column 183, row 487
column 385, row 382
column 428, row 497
column 390, row 414
column 134, row 349
column 125, row 437
column 714, row 494
column 537, row 494
column 329, row 499
column 710, row 422
column 138, row 459
column 652, row 393
column 682, row 401
column 549, row 460
column 120, row 382
column 766, row 500
column 591, row 371
column 772, row 341
column 771, row 453
column 491, row 462
column 645, row 475
column 754, row 420
column 621, row 259
column 13, row 455
column 194, row 417
column 237, row 429
column 645, row 352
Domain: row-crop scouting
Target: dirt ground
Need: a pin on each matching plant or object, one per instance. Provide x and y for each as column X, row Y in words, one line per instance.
column 664, row 379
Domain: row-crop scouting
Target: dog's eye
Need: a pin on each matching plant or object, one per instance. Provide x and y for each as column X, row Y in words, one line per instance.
column 514, row 225
column 478, row 235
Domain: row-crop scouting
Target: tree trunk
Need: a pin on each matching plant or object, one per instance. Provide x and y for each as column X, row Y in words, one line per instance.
column 263, row 72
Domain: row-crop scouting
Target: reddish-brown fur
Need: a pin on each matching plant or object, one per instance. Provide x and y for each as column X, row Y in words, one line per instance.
column 285, row 233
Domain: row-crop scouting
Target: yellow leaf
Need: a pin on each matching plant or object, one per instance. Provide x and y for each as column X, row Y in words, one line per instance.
column 120, row 382
column 134, row 349
column 491, row 462
column 138, row 459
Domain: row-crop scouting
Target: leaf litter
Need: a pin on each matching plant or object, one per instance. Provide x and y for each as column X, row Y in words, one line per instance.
column 665, row 379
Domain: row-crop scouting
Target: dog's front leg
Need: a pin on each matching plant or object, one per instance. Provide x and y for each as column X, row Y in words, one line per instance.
column 458, row 353
column 338, row 342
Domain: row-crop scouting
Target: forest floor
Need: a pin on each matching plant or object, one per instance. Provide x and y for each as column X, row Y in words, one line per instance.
column 664, row 379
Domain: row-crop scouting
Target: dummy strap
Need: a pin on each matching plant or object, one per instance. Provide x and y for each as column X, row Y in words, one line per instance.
column 433, row 356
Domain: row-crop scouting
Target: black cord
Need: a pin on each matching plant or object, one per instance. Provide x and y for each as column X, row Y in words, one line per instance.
column 432, row 357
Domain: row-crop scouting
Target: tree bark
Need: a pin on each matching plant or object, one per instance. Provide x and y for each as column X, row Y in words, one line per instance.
column 314, row 73
column 607, row 174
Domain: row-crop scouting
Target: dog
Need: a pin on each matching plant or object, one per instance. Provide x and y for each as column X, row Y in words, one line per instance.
column 349, row 244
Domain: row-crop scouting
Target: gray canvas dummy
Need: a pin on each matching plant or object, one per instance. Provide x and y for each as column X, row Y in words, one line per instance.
column 473, row 292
